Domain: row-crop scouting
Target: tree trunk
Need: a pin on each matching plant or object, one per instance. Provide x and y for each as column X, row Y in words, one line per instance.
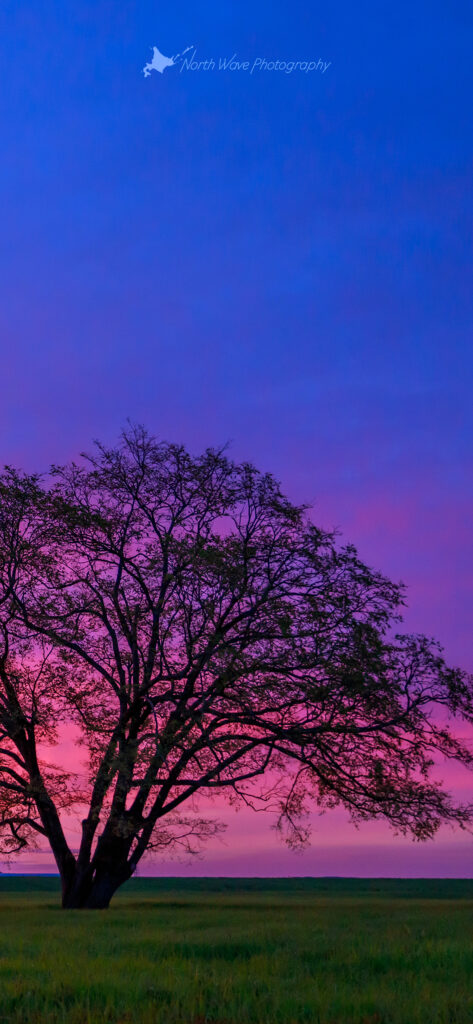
column 94, row 892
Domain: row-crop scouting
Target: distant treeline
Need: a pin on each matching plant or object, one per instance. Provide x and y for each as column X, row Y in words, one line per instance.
column 419, row 888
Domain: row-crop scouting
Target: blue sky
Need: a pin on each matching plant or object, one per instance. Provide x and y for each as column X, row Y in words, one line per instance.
column 282, row 261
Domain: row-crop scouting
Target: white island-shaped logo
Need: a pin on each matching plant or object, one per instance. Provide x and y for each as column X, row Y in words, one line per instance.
column 160, row 62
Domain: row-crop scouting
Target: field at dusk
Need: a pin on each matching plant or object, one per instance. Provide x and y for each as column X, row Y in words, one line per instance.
column 315, row 951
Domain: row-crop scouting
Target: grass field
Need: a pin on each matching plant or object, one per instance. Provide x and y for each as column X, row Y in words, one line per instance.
column 311, row 951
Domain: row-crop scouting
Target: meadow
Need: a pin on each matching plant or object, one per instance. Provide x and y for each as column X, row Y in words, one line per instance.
column 229, row 951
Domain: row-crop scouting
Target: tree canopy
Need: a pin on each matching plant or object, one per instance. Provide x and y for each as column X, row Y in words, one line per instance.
column 203, row 635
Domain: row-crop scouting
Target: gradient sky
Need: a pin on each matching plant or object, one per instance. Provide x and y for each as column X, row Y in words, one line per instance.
column 282, row 261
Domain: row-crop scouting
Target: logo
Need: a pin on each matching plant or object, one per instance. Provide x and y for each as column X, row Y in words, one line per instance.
column 160, row 62
column 233, row 63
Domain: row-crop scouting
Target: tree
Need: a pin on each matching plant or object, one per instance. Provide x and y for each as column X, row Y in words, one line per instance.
column 203, row 635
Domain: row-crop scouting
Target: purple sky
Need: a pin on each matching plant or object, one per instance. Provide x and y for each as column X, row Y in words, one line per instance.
column 282, row 261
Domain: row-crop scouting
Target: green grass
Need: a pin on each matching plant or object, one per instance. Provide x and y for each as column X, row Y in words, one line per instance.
column 300, row 951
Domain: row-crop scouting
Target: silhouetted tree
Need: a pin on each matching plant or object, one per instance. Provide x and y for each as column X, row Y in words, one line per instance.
column 204, row 636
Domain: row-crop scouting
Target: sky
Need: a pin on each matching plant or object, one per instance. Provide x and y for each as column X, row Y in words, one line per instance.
column 278, row 260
